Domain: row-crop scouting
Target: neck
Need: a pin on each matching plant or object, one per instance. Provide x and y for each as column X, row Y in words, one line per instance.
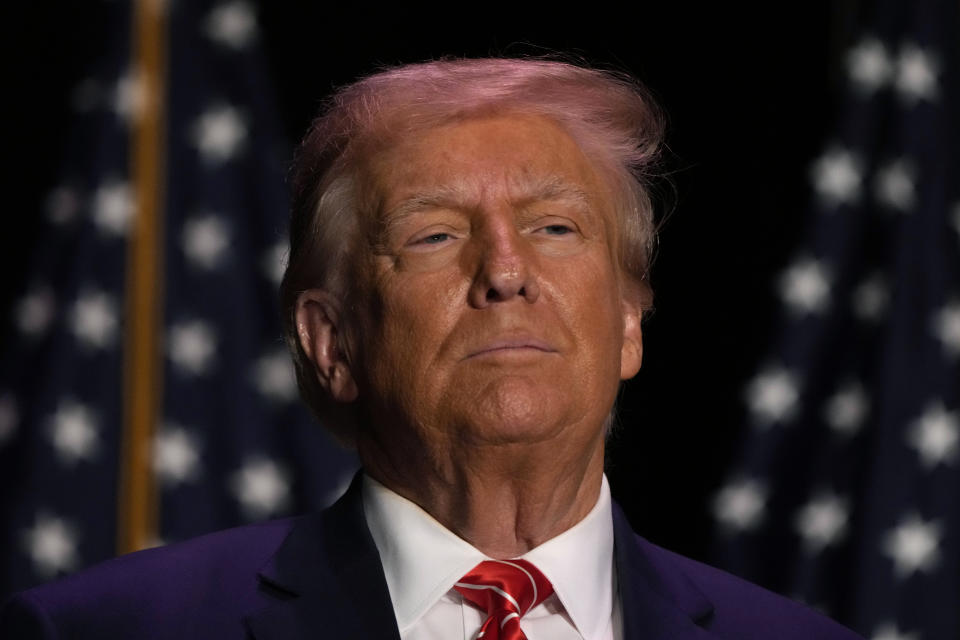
column 503, row 499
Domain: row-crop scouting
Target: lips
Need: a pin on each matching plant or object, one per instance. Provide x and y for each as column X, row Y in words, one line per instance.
column 513, row 344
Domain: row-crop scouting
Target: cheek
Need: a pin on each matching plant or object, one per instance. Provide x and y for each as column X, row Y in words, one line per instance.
column 416, row 314
column 589, row 300
column 591, row 295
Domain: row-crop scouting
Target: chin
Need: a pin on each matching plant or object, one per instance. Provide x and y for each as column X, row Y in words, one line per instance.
column 516, row 410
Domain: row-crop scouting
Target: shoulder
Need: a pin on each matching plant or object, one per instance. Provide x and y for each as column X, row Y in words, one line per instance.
column 741, row 609
column 148, row 593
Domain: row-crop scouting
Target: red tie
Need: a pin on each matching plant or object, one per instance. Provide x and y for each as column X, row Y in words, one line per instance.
column 506, row 590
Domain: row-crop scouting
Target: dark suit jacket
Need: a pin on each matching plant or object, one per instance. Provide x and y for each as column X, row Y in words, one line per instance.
column 319, row 576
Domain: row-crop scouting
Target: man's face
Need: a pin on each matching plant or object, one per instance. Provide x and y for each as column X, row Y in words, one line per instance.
column 489, row 306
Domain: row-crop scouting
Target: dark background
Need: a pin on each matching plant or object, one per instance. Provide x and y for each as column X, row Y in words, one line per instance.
column 749, row 93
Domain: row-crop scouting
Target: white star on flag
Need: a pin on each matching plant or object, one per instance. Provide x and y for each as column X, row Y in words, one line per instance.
column 869, row 65
column 62, row 205
column 113, row 207
column 847, row 408
column 262, row 487
column 890, row 631
column 274, row 262
column 772, row 395
column 740, row 505
column 894, row 185
column 946, row 327
column 51, row 544
column 93, row 319
column 232, row 24
column 219, row 133
column 274, row 376
column 822, row 521
column 935, row 435
column 837, row 175
column 130, row 96
column 9, row 417
column 205, row 240
column 34, row 312
column 916, row 74
column 176, row 457
column 913, row 545
column 871, row 298
column 73, row 432
column 192, row 346
column 805, row 286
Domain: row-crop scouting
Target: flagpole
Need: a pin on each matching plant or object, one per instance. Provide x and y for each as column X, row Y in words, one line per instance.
column 137, row 513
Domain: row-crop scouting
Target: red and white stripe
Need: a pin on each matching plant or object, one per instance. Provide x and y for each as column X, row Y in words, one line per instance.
column 506, row 590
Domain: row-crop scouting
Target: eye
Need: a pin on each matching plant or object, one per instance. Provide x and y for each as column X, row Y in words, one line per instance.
column 557, row 229
column 435, row 238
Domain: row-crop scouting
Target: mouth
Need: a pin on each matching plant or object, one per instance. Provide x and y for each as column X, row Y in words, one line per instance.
column 509, row 346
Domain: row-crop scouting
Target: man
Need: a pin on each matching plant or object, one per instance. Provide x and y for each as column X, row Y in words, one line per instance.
column 468, row 272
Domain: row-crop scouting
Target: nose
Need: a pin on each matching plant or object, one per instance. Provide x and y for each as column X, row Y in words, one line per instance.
column 505, row 268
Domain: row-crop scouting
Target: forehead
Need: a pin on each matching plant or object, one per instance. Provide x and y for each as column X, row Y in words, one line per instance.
column 515, row 156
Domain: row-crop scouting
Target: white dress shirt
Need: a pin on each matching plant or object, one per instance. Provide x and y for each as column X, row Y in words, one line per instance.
column 422, row 560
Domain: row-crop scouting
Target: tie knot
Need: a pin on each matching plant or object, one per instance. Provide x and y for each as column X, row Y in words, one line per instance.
column 505, row 589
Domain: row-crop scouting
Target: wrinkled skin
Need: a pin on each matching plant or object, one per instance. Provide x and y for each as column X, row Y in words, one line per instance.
column 489, row 328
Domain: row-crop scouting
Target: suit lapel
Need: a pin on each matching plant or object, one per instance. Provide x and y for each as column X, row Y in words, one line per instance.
column 327, row 580
column 659, row 601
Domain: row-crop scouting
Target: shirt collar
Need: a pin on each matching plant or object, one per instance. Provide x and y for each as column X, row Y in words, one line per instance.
column 422, row 559
column 579, row 564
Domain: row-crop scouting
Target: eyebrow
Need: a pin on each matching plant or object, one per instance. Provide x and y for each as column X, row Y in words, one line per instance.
column 460, row 195
column 553, row 188
column 440, row 196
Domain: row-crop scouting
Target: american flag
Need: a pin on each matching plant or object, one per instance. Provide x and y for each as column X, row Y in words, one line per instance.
column 847, row 491
column 230, row 442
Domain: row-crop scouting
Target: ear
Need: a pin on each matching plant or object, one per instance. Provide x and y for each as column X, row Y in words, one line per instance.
column 631, row 353
column 321, row 338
